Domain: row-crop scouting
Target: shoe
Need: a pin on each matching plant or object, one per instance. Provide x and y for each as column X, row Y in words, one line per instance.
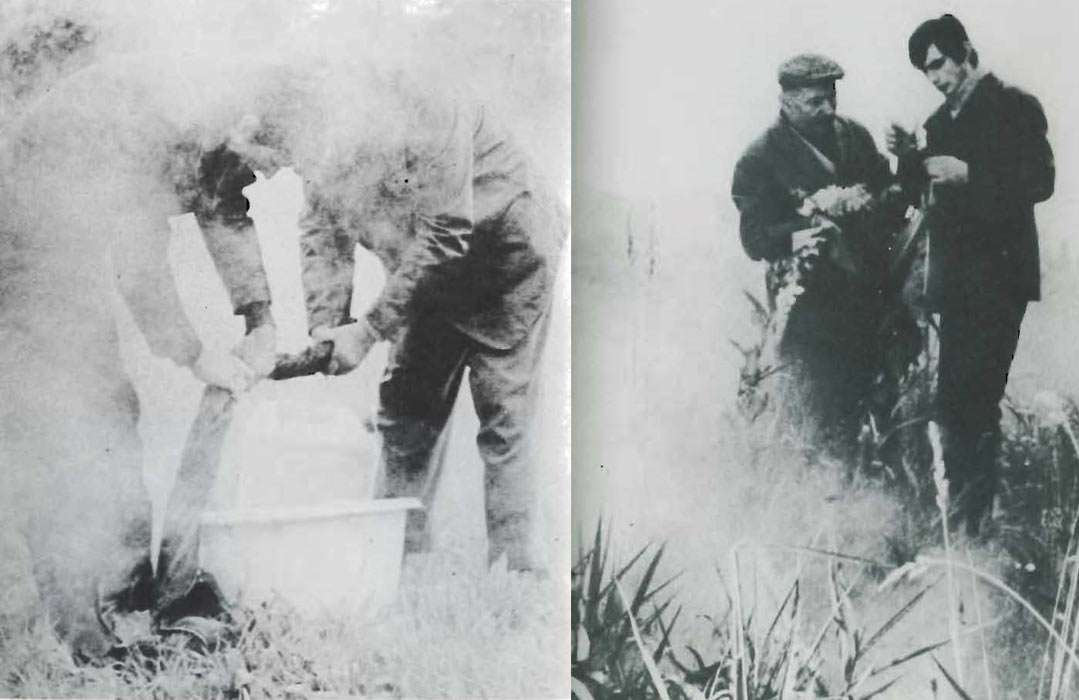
column 138, row 594
column 204, row 634
column 90, row 645
column 203, row 599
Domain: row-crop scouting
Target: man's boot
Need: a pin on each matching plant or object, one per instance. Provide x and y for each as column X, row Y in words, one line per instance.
column 983, row 484
column 958, row 467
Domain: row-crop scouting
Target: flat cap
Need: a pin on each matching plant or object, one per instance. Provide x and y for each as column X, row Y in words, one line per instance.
column 808, row 69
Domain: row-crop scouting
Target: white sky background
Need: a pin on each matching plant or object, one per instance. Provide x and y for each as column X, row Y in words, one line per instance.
column 674, row 91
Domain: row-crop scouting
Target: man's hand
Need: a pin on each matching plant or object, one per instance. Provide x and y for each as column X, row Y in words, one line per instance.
column 807, row 242
column 259, row 349
column 899, row 141
column 224, row 370
column 946, row 170
column 351, row 343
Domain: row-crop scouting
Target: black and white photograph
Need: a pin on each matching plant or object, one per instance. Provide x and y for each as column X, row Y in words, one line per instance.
column 529, row 349
column 284, row 308
column 824, row 285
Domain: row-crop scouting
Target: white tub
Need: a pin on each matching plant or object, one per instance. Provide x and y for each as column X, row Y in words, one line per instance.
column 328, row 558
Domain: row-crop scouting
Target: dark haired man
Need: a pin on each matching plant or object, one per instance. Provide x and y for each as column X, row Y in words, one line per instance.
column 987, row 161
column 812, row 161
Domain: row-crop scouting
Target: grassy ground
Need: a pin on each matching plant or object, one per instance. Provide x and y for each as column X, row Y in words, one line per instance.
column 454, row 633
column 660, row 451
column 860, row 603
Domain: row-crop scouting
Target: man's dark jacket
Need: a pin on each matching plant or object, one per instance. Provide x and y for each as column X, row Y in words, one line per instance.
column 984, row 236
column 832, row 330
column 779, row 170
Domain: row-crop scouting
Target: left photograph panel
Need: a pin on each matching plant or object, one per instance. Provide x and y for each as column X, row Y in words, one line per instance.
column 284, row 348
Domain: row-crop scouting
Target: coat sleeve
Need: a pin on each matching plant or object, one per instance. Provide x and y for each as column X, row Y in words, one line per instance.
column 1018, row 169
column 442, row 226
column 879, row 175
column 227, row 230
column 910, row 174
column 767, row 217
column 327, row 263
column 146, row 283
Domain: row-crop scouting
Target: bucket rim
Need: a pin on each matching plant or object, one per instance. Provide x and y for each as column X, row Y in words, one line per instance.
column 324, row 511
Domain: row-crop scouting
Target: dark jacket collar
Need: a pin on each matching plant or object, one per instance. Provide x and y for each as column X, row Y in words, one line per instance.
column 984, row 91
column 799, row 156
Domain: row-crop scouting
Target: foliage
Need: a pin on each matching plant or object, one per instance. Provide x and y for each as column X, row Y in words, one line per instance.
column 606, row 661
column 1033, row 538
column 841, row 659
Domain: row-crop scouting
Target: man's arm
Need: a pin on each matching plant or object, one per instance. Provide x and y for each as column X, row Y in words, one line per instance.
column 1018, row 169
column 875, row 168
column 327, row 264
column 441, row 231
column 146, row 283
column 442, row 223
column 767, row 219
column 230, row 236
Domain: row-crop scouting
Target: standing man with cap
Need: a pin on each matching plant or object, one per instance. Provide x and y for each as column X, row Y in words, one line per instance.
column 986, row 163
column 807, row 190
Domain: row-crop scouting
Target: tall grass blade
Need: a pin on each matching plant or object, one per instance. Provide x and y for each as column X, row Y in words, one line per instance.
column 894, row 663
column 646, row 656
column 792, row 595
column 595, row 579
column 951, row 681
column 894, row 620
column 981, row 631
column 941, row 481
column 874, row 693
column 579, row 690
column 665, row 640
column 1000, row 585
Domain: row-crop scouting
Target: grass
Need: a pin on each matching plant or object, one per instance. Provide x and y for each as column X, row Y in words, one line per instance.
column 625, row 644
column 456, row 632
column 904, row 608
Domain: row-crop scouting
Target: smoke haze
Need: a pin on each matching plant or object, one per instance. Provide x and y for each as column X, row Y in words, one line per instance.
column 104, row 108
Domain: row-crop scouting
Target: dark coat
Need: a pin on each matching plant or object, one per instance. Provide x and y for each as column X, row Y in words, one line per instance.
column 778, row 171
column 831, row 335
column 983, row 234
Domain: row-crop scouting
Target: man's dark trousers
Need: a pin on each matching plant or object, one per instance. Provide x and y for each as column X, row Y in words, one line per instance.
column 978, row 337
column 417, row 394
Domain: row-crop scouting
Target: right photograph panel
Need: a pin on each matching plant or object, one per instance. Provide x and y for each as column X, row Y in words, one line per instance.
column 824, row 394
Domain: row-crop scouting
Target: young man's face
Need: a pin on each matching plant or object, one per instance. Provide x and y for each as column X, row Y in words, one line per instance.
column 945, row 74
column 810, row 108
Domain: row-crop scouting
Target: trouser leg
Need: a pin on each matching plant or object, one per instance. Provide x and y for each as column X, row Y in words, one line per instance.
column 830, row 349
column 417, row 393
column 977, row 345
column 503, row 390
column 178, row 561
column 90, row 541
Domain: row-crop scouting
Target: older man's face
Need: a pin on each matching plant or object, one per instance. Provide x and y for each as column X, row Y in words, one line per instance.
column 810, row 108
